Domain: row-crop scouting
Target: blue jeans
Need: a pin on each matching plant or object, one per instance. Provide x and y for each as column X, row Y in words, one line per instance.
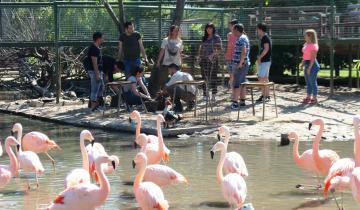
column 131, row 98
column 311, row 80
column 128, row 65
column 97, row 86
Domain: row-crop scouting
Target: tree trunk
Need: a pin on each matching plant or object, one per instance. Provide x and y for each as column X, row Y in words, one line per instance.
column 179, row 12
column 121, row 16
column 112, row 14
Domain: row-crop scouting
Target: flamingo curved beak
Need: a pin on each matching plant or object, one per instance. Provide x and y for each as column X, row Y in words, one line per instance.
column 310, row 125
column 18, row 147
column 212, row 154
column 135, row 145
column 130, row 120
column 92, row 142
column 113, row 164
column 12, row 133
column 133, row 164
column 218, row 137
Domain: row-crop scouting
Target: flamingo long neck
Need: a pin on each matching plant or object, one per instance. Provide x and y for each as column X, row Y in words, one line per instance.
column 138, row 127
column 84, row 155
column 295, row 153
column 227, row 139
column 13, row 161
column 19, row 135
column 219, row 171
column 315, row 148
column 160, row 136
column 139, row 177
column 357, row 144
column 104, row 189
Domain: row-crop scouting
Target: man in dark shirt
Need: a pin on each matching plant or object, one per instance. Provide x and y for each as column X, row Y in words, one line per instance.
column 130, row 47
column 95, row 70
column 264, row 60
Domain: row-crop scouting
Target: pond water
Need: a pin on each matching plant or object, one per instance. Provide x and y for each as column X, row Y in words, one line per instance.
column 271, row 184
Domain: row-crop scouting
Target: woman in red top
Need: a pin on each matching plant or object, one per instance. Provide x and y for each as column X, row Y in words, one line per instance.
column 311, row 65
column 231, row 40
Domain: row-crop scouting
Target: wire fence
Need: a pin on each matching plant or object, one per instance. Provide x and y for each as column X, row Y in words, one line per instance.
column 61, row 31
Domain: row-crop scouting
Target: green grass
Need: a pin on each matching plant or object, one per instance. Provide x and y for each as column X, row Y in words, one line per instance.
column 344, row 73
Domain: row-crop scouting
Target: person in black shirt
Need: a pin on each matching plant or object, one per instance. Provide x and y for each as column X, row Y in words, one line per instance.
column 95, row 70
column 264, row 59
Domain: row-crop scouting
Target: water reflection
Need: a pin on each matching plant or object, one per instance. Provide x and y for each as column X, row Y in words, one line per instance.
column 271, row 183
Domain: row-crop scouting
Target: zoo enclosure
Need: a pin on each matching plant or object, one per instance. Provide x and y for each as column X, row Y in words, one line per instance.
column 49, row 32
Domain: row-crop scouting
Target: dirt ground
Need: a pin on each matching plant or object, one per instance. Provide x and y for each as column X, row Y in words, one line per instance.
column 337, row 112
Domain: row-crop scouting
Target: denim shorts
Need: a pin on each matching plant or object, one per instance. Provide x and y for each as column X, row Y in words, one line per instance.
column 263, row 69
column 240, row 75
column 97, row 86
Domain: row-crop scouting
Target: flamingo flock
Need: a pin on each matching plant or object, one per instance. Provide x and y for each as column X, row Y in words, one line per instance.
column 341, row 173
column 88, row 187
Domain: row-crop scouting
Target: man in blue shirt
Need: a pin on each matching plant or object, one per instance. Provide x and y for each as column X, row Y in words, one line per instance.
column 240, row 65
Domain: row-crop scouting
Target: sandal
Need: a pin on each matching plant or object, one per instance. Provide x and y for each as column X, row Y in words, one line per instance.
column 306, row 100
column 313, row 101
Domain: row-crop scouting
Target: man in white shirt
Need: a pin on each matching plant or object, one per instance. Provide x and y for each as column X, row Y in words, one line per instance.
column 183, row 92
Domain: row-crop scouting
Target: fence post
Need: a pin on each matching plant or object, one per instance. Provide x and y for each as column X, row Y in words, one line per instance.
column 57, row 59
column 332, row 52
column 160, row 21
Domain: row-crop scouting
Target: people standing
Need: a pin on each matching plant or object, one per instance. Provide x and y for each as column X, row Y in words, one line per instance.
column 264, row 60
column 231, row 41
column 240, row 64
column 209, row 52
column 170, row 53
column 130, row 47
column 311, row 65
column 95, row 71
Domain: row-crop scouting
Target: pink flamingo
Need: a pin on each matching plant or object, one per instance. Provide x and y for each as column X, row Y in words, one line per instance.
column 11, row 170
column 233, row 185
column 85, row 196
column 35, row 141
column 154, row 152
column 81, row 175
column 29, row 161
column 135, row 115
column 234, row 162
column 323, row 158
column 341, row 172
column 162, row 175
column 148, row 195
column 355, row 184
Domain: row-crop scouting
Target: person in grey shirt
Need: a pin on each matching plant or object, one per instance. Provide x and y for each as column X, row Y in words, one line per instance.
column 130, row 47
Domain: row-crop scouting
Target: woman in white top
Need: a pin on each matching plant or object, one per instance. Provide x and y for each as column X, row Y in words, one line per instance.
column 170, row 52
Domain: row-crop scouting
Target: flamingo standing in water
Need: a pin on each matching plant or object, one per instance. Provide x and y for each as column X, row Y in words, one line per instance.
column 135, row 115
column 155, row 152
column 342, row 174
column 29, row 161
column 35, row 141
column 233, row 185
column 85, row 196
column 323, row 158
column 161, row 175
column 81, row 175
column 234, row 162
column 148, row 195
column 11, row 170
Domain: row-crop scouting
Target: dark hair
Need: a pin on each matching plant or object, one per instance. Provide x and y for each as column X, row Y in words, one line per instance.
column 234, row 22
column 120, row 65
column 239, row 27
column 97, row 35
column 174, row 66
column 262, row 26
column 136, row 69
column 128, row 23
column 206, row 35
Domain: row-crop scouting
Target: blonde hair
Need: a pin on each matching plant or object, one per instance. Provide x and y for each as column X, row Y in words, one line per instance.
column 311, row 33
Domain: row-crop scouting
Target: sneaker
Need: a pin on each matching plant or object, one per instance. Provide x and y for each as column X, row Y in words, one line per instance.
column 234, row 106
column 267, row 98
column 306, row 100
column 242, row 103
column 260, row 99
